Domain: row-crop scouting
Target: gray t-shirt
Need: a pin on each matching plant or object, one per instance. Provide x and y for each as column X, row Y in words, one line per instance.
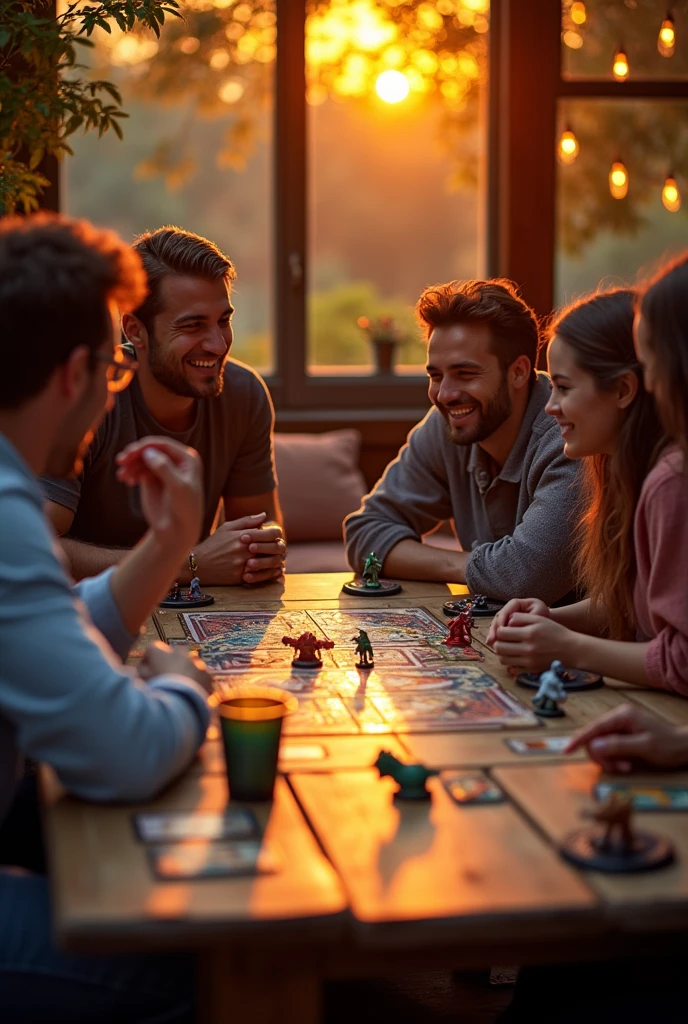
column 517, row 524
column 232, row 433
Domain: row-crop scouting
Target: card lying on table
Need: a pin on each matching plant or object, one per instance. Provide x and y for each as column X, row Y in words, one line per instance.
column 234, row 823
column 471, row 787
column 213, row 860
column 546, row 745
column 653, row 797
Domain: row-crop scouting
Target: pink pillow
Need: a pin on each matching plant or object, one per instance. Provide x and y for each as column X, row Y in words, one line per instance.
column 319, row 482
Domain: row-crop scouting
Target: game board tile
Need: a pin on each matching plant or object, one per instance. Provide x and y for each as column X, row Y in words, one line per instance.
column 482, row 868
column 391, row 627
column 554, row 797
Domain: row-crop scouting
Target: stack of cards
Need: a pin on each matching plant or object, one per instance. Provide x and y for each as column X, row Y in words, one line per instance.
column 201, row 844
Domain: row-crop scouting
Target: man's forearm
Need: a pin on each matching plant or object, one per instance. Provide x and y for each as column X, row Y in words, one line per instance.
column 411, row 560
column 90, row 559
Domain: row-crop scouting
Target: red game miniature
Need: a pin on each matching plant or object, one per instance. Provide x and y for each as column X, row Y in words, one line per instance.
column 307, row 648
column 460, row 630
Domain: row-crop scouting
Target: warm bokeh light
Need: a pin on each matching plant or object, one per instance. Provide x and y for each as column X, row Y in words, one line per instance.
column 392, row 86
column 671, row 197
column 618, row 180
column 578, row 13
column 666, row 41
column 568, row 147
column 620, row 67
column 572, row 39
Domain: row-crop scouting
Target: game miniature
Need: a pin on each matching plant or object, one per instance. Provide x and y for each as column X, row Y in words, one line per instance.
column 192, row 598
column 572, row 679
column 551, row 693
column 479, row 605
column 618, row 848
column 460, row 630
column 412, row 778
column 369, row 583
column 307, row 649
column 364, row 649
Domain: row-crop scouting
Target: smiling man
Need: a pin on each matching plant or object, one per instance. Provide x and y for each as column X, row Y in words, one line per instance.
column 487, row 456
column 187, row 388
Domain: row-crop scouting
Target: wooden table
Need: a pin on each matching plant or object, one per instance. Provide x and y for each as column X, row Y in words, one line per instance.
column 370, row 885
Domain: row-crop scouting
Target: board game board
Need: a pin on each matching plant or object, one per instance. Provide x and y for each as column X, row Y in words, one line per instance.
column 418, row 684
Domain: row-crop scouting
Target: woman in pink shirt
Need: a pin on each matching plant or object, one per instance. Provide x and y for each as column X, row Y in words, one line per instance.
column 634, row 624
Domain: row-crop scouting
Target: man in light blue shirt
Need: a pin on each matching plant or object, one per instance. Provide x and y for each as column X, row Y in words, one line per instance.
column 66, row 698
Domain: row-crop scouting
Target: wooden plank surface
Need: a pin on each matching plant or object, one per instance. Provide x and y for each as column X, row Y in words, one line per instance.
column 322, row 586
column 481, row 749
column 439, row 867
column 103, row 885
column 554, row 797
column 298, row 754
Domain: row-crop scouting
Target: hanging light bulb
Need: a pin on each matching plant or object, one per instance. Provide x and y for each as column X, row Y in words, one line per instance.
column 671, row 197
column 568, row 146
column 578, row 13
column 618, row 180
column 620, row 66
column 666, row 41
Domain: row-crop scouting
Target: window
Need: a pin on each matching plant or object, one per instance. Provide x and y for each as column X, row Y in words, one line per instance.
column 335, row 149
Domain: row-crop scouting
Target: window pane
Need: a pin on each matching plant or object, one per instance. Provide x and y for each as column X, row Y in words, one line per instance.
column 594, row 31
column 197, row 148
column 395, row 168
column 602, row 237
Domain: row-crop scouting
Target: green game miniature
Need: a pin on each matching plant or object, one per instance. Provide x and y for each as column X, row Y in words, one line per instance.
column 371, row 571
column 364, row 649
column 411, row 777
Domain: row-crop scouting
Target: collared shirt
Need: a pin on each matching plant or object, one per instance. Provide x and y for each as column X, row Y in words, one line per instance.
column 65, row 697
column 517, row 522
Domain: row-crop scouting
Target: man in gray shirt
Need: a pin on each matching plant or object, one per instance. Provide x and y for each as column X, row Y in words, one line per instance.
column 189, row 390
column 487, row 456
column 66, row 698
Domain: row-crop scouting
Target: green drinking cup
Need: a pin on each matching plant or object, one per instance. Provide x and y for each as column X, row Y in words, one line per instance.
column 251, row 723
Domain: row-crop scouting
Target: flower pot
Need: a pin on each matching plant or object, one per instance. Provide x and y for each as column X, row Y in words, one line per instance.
column 384, row 355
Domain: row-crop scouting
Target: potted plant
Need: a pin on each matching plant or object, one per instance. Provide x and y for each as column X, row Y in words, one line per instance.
column 385, row 336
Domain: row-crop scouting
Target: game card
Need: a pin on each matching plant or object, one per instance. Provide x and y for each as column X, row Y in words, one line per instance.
column 646, row 798
column 471, row 787
column 546, row 745
column 213, row 860
column 234, row 823
column 301, row 752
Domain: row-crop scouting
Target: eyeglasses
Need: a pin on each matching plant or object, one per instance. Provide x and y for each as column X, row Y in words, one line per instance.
column 120, row 369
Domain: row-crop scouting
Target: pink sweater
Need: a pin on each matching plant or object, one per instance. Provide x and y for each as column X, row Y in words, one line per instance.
column 661, row 589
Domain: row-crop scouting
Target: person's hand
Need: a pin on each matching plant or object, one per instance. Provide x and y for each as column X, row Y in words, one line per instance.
column 526, row 605
column 170, row 479
column 627, row 736
column 160, row 659
column 240, row 551
column 530, row 643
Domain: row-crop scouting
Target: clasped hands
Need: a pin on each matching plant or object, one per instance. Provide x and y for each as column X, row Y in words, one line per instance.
column 526, row 638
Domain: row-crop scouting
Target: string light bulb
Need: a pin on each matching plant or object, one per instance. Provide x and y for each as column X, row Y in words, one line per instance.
column 568, row 146
column 578, row 13
column 671, row 197
column 618, row 180
column 666, row 41
column 620, row 66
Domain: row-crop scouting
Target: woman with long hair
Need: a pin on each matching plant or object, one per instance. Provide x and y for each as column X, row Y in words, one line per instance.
column 609, row 419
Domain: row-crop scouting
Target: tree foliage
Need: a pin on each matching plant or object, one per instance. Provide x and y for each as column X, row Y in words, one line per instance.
column 45, row 95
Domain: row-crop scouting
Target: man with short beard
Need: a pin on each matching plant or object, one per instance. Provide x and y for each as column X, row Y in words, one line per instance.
column 487, row 456
column 187, row 388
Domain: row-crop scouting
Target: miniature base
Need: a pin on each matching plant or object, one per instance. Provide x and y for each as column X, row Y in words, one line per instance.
column 453, row 608
column 582, row 681
column 584, row 849
column 548, row 712
column 184, row 603
column 365, row 664
column 297, row 663
column 359, row 589
column 412, row 793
